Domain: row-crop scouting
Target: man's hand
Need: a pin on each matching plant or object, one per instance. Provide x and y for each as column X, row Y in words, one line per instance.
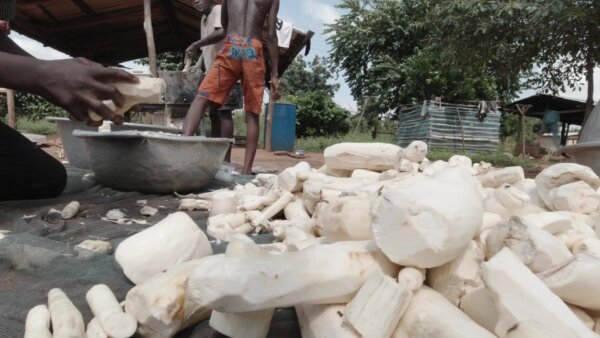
column 79, row 85
column 192, row 51
column 275, row 88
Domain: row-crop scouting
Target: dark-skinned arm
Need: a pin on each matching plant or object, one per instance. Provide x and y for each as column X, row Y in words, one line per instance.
column 214, row 37
column 9, row 46
column 273, row 49
column 77, row 85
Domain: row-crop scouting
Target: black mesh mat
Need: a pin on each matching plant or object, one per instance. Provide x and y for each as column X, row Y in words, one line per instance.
column 36, row 258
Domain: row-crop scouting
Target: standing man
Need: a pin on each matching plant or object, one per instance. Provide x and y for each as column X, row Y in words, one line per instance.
column 241, row 58
column 221, row 119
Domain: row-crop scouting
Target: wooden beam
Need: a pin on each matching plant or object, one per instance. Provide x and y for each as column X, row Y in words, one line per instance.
column 269, row 123
column 171, row 16
column 150, row 37
column 84, row 7
column 48, row 13
column 10, row 107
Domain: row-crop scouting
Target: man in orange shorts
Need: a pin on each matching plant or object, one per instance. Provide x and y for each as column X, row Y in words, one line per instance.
column 241, row 58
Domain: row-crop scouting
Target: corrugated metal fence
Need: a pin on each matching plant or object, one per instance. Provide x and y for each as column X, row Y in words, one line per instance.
column 450, row 127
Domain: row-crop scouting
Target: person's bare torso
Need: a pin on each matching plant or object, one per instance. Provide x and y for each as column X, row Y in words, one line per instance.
column 247, row 17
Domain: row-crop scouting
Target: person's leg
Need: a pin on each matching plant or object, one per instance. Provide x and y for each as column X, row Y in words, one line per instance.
column 215, row 123
column 194, row 115
column 26, row 171
column 227, row 130
column 252, row 128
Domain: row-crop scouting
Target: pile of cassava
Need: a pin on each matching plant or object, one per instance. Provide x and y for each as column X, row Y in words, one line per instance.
column 378, row 243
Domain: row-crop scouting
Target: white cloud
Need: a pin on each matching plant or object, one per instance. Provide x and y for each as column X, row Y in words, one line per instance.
column 320, row 11
column 35, row 48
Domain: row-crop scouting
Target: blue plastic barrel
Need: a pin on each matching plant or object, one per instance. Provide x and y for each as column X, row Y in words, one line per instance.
column 283, row 133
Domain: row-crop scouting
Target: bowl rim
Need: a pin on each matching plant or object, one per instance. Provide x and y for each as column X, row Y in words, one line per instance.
column 133, row 134
column 578, row 147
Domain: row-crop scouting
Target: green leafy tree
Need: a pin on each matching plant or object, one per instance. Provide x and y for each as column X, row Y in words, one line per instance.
column 35, row 107
column 302, row 77
column 383, row 51
column 172, row 61
column 560, row 38
column 318, row 115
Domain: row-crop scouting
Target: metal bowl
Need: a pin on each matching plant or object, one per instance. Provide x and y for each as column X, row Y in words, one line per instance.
column 153, row 162
column 587, row 154
column 74, row 147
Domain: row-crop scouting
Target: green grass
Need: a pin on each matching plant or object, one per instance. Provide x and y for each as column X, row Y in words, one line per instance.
column 31, row 126
column 318, row 144
column 497, row 159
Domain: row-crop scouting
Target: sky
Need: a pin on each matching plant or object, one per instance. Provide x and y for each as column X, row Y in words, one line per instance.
column 307, row 15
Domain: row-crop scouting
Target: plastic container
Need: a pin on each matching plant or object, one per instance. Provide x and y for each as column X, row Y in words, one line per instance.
column 283, row 133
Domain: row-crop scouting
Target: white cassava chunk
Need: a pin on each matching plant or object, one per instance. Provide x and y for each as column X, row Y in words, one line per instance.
column 301, row 245
column 551, row 179
column 37, row 324
column 253, row 324
column 370, row 156
column 67, row 321
column 490, row 221
column 412, row 278
column 460, row 161
column 95, row 246
column 289, row 179
column 576, row 281
column 160, row 304
column 321, row 274
column 427, row 223
column 378, row 306
column 362, row 173
column 324, row 321
column 552, row 222
column 435, row 167
column 536, row 248
column 479, row 305
column 511, row 197
column 148, row 211
column 255, row 202
column 174, row 240
column 529, row 187
column 523, row 300
column 105, row 307
column 348, row 219
column 224, row 202
column 583, row 316
column 497, row 177
column 459, row 276
column 296, row 210
column 272, row 210
column 416, row 151
column 429, row 315
column 589, row 245
column 94, row 329
column 70, row 210
column 223, row 226
column 191, row 204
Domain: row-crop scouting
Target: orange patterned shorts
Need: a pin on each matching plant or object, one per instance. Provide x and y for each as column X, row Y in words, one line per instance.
column 240, row 58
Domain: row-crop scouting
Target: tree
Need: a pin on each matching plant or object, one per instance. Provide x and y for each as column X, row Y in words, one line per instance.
column 382, row 48
column 318, row 115
column 172, row 61
column 509, row 38
column 301, row 77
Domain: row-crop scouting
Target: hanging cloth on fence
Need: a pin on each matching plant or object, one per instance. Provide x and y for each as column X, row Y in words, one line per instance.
column 484, row 108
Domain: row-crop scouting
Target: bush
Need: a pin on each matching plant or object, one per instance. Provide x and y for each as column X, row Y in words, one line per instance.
column 318, row 115
column 35, row 107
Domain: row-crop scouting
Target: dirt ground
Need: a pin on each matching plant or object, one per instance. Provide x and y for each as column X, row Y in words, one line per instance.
column 264, row 161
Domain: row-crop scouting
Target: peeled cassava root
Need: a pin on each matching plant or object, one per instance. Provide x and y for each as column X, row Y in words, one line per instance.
column 114, row 322
column 147, row 90
column 321, row 274
column 174, row 240
column 370, row 156
column 427, row 223
column 160, row 304
column 37, row 324
column 67, row 321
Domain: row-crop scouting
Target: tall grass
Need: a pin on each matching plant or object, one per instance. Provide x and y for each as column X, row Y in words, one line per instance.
column 31, row 126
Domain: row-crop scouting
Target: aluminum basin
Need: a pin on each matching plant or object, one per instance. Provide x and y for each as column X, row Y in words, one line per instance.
column 74, row 147
column 587, row 154
column 152, row 162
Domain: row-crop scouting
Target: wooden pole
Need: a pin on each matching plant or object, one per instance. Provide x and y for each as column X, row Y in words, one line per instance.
column 10, row 103
column 269, row 124
column 150, row 37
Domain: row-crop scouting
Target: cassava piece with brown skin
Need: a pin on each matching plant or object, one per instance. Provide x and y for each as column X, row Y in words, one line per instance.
column 242, row 21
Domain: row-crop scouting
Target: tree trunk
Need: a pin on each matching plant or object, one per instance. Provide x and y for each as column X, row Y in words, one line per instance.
column 589, row 105
column 150, row 37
